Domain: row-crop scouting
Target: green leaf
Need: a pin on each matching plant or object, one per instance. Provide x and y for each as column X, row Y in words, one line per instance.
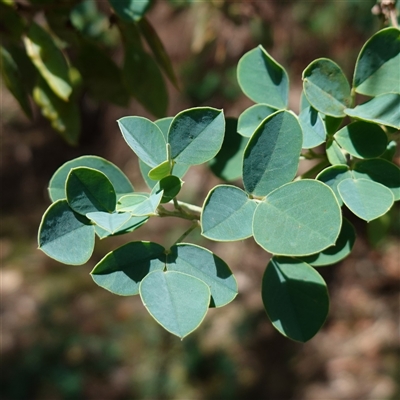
column 362, row 139
column 109, row 222
column 380, row 171
column 101, row 75
column 227, row 214
column 366, row 199
column 390, row 151
column 160, row 171
column 144, row 80
column 339, row 251
column 145, row 207
column 332, row 176
column 130, row 202
column 295, row 298
column 262, row 79
column 334, row 153
column 170, row 186
column 89, row 190
column 332, row 124
column 118, row 179
column 63, row 115
column 156, row 46
column 13, row 80
column 164, row 124
column 313, row 128
column 12, row 24
column 66, row 236
column 145, row 139
column 271, row 157
column 298, row 219
column 122, row 270
column 227, row 164
column 131, row 225
column 252, row 117
column 49, row 60
column 130, row 10
column 377, row 67
column 326, row 87
column 196, row 135
column 203, row 264
column 383, row 109
column 178, row 302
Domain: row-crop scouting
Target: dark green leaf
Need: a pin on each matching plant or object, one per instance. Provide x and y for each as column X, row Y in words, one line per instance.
column 170, row 186
column 332, row 176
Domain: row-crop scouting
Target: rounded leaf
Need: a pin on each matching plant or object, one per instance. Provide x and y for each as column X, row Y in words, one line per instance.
column 66, row 236
column 178, row 302
column 367, row 199
column 295, row 298
column 377, row 67
column 334, row 153
column 122, row 270
column 118, row 179
column 362, row 139
column 262, row 79
column 196, row 135
column 110, row 222
column 313, row 128
column 227, row 214
column 252, row 117
column 203, row 264
column 326, row 87
column 89, row 190
column 300, row 218
column 332, row 176
column 271, row 157
column 339, row 251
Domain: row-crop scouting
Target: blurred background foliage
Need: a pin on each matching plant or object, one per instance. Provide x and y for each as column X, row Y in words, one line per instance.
column 65, row 338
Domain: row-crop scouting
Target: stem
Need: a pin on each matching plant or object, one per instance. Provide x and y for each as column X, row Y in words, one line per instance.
column 189, row 207
column 195, row 225
column 163, row 212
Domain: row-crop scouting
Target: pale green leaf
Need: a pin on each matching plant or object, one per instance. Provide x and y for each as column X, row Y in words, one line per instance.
column 111, row 222
column 332, row 176
column 252, row 117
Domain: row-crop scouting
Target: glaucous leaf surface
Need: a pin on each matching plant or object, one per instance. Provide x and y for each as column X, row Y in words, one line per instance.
column 13, row 80
column 332, row 176
column 313, row 128
column 64, row 116
column 377, row 67
column 366, row 199
column 130, row 202
column 295, row 298
column 60, row 229
column 89, row 190
column 380, row 171
column 227, row 214
column 117, row 178
column 334, row 153
column 111, row 222
column 298, row 219
column 170, row 186
column 203, row 264
column 326, row 87
column 164, row 124
column 227, row 164
column 144, row 80
column 362, row 139
column 145, row 207
column 145, row 139
column 156, row 46
column 122, row 270
column 250, row 118
column 196, row 135
column 130, row 10
column 177, row 301
column 339, row 251
column 49, row 60
column 383, row 109
column 271, row 157
column 262, row 79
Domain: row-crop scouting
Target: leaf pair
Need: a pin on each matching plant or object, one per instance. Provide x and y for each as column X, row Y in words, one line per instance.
column 176, row 286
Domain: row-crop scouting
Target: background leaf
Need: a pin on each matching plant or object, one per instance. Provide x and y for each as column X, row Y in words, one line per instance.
column 62, row 229
column 271, row 157
column 227, row 214
column 367, row 199
column 178, row 302
column 299, row 218
column 326, row 87
column 262, row 79
column 122, row 270
column 295, row 298
column 203, row 264
column 332, row 176
column 130, row 10
column 334, row 153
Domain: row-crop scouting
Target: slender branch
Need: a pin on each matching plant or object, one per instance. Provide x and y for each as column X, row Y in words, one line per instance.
column 163, row 212
column 189, row 207
column 194, row 225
